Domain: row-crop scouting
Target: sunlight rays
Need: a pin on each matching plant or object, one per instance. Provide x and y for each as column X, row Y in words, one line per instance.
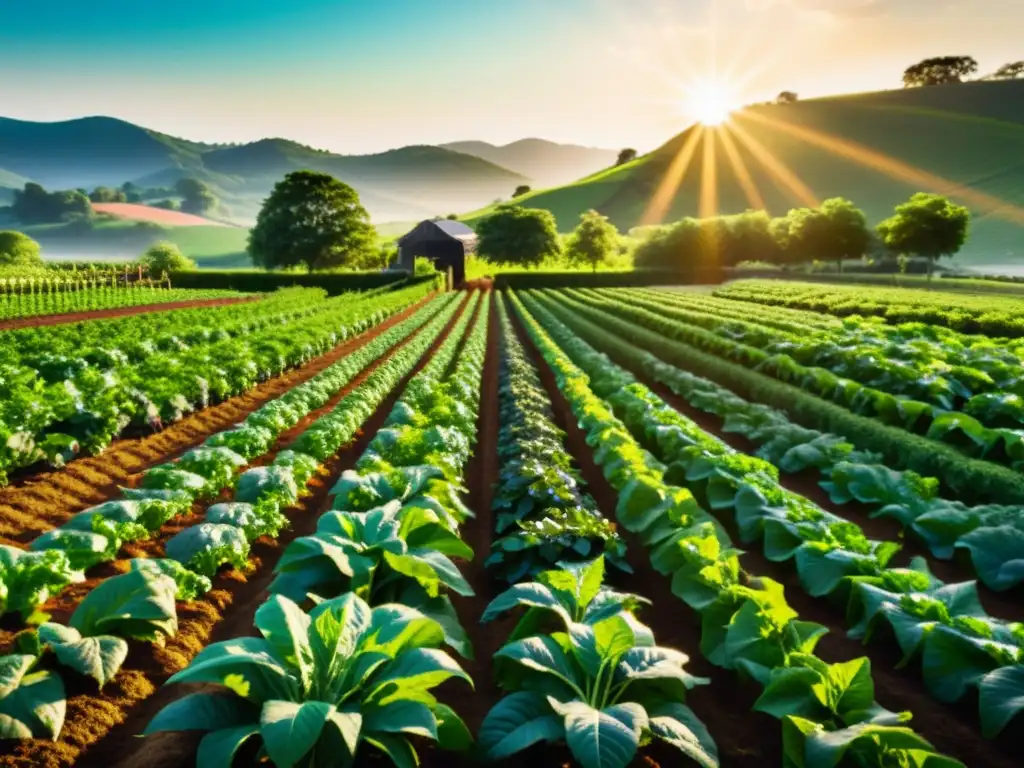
column 799, row 191
column 741, row 173
column 661, row 200
column 891, row 167
column 708, row 206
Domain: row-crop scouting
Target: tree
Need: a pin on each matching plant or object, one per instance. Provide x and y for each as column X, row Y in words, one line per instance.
column 107, row 195
column 314, row 220
column 748, row 237
column 1012, row 71
column 626, row 156
column 926, row 225
column 787, row 97
column 196, row 197
column 34, row 205
column 165, row 257
column 517, row 235
column 939, row 71
column 521, row 190
column 835, row 231
column 452, row 217
column 19, row 250
column 594, row 241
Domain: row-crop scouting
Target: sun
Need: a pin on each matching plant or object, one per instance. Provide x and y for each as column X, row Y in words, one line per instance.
column 711, row 101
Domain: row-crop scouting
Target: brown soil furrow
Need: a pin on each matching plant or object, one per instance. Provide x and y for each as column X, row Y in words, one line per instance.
column 745, row 739
column 101, row 314
column 952, row 729
column 34, row 505
column 100, row 727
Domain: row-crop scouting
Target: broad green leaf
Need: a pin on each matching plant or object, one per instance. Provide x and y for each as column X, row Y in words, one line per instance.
column 1001, row 698
column 290, row 729
column 677, row 725
column 606, row 738
column 204, row 712
column 518, row 721
column 217, row 749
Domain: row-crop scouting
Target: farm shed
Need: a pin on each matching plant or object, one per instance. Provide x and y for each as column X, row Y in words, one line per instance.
column 445, row 242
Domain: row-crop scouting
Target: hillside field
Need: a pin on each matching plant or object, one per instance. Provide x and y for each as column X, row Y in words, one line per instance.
column 970, row 135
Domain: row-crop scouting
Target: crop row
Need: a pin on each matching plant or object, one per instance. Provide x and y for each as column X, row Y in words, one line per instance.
column 832, row 555
column 85, row 401
column 746, row 623
column 988, row 314
column 140, row 605
column 53, row 299
column 971, row 479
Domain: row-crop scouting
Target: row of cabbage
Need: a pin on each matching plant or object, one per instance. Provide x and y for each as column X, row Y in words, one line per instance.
column 46, row 297
column 579, row 668
column 353, row 634
column 141, row 605
column 82, row 389
column 958, row 429
column 989, row 314
column 959, row 645
column 735, row 365
column 827, row 710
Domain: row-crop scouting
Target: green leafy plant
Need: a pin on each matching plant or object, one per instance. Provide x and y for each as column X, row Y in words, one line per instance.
column 314, row 689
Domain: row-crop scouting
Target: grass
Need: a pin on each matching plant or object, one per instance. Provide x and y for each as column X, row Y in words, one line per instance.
column 971, row 135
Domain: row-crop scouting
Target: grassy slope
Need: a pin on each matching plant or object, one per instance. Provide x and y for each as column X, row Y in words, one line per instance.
column 970, row 134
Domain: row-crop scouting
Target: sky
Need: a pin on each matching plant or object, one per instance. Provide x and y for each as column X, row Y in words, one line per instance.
column 359, row 76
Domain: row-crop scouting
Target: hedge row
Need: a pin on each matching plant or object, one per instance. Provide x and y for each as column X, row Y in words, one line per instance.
column 256, row 281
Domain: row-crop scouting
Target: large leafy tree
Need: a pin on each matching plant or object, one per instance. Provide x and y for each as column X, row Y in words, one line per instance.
column 939, row 71
column 517, row 235
column 748, row 237
column 927, row 225
column 34, row 205
column 836, row 231
column 1011, row 71
column 313, row 220
column 18, row 249
column 594, row 241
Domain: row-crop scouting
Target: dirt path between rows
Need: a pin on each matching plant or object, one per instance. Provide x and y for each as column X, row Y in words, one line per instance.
column 100, row 727
column 37, row 321
column 952, row 729
column 31, row 506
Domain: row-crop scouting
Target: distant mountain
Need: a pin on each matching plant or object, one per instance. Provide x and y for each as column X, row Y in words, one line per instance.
column 406, row 183
column 545, row 163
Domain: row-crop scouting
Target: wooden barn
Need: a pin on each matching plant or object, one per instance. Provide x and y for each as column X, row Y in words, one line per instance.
column 445, row 242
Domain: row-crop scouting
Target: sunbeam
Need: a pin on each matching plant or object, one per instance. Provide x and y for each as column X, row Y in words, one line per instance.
column 800, row 192
column 741, row 173
column 708, row 205
column 662, row 198
column 895, row 169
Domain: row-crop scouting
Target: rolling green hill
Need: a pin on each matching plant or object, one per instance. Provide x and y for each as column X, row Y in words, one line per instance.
column 928, row 139
column 406, row 183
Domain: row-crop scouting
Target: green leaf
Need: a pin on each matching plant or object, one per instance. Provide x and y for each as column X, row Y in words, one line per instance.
column 606, row 738
column 217, row 749
column 518, row 721
column 290, row 729
column 677, row 725
column 97, row 657
column 1001, row 698
column 134, row 605
column 204, row 712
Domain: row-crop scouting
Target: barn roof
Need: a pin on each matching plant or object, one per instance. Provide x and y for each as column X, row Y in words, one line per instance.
column 444, row 229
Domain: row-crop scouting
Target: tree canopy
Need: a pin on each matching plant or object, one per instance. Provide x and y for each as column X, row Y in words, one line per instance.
column 521, row 190
column 314, row 220
column 835, row 231
column 626, row 156
column 197, row 198
column 1012, row 71
column 108, row 195
column 517, row 235
column 165, row 257
column 939, row 71
column 787, row 97
column 34, row 205
column 595, row 240
column 19, row 250
column 927, row 225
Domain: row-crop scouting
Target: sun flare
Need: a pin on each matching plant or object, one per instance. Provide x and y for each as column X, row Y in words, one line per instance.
column 711, row 102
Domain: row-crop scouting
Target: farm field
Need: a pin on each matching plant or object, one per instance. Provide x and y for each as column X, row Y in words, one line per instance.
column 598, row 527
column 137, row 212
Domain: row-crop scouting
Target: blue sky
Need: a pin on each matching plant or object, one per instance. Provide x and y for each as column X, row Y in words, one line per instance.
column 358, row 76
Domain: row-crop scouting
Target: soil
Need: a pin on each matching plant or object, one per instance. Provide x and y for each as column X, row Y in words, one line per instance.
column 32, row 505
column 99, row 725
column 952, row 729
column 103, row 314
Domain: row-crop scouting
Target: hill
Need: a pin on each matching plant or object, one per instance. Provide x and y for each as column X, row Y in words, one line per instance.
column 545, row 163
column 876, row 149
column 407, row 183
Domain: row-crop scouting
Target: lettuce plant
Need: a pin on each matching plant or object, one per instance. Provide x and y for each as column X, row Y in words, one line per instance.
column 27, row 579
column 205, row 547
column 317, row 689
